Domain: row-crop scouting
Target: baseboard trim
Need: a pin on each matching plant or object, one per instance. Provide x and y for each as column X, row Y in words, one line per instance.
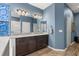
column 56, row 49
column 72, row 43
column 60, row 49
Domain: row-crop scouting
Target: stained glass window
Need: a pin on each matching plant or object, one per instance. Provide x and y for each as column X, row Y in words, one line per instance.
column 4, row 12
column 4, row 19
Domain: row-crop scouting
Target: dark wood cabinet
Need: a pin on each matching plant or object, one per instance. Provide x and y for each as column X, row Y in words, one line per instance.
column 26, row 45
column 42, row 41
column 21, row 46
column 32, row 44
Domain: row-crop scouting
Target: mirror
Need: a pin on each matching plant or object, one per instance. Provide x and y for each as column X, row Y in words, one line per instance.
column 43, row 26
column 15, row 25
column 26, row 24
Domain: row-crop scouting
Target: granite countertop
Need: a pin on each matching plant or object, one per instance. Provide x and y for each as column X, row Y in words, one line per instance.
column 28, row 35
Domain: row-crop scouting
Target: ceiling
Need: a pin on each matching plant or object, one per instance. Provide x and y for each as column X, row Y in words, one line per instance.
column 74, row 7
column 41, row 5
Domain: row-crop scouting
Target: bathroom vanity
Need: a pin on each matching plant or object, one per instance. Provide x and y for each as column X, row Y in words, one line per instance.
column 27, row 35
column 24, row 33
column 27, row 43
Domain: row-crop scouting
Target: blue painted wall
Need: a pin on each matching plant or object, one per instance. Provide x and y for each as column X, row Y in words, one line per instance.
column 60, row 23
column 26, row 6
column 49, row 16
column 54, row 15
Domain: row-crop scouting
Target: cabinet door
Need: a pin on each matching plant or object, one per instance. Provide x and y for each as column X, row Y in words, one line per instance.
column 42, row 41
column 25, row 45
column 21, row 46
column 31, row 44
column 45, row 40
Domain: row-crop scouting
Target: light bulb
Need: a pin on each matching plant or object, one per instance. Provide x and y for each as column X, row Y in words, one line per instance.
column 26, row 14
column 23, row 13
column 19, row 11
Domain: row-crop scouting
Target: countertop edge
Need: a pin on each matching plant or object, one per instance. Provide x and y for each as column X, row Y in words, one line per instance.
column 27, row 35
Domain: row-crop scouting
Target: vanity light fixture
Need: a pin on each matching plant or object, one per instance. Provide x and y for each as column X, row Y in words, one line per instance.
column 40, row 16
column 26, row 13
column 37, row 15
column 22, row 12
column 18, row 11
